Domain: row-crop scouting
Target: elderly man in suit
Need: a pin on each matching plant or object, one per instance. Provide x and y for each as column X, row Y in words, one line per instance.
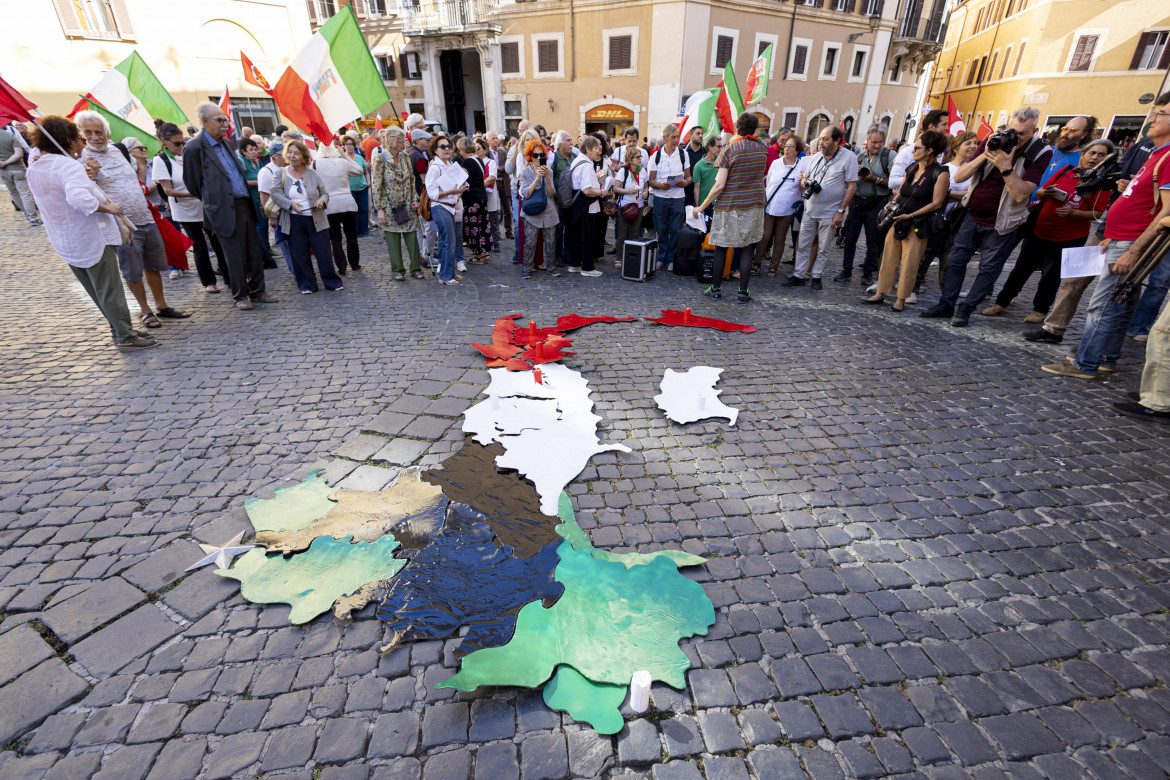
column 213, row 173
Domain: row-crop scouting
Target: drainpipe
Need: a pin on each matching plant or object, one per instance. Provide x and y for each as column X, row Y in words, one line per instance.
column 791, row 32
column 573, row 38
column 990, row 49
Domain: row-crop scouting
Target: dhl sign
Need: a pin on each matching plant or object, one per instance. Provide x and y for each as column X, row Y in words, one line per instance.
column 609, row 113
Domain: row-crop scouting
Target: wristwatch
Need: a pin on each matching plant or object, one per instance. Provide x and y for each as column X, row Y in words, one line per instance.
column 1005, row 172
column 840, row 211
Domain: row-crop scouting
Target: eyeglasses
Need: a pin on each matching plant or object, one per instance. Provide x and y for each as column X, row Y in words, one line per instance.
column 1161, row 113
column 223, row 120
column 300, row 189
column 443, row 146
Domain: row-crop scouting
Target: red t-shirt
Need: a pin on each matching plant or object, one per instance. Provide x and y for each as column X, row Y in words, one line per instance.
column 984, row 204
column 368, row 146
column 1132, row 213
column 1052, row 227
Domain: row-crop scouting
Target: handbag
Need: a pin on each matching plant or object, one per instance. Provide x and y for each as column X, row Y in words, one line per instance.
column 631, row 211
column 424, row 204
column 930, row 225
column 537, row 202
column 271, row 209
column 401, row 216
column 125, row 229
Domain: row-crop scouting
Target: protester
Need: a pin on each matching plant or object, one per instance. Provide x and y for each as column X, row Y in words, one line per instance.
column 1063, row 222
column 539, row 233
column 250, row 152
column 670, row 177
column 78, row 219
column 1130, row 226
column 706, row 171
column 477, row 230
column 503, row 186
column 214, row 175
column 997, row 204
column 264, row 179
column 921, row 200
column 359, row 185
column 738, row 198
column 444, row 203
column 630, row 185
column 1153, row 401
column 175, row 244
column 829, row 183
column 420, row 160
column 936, row 121
column 334, row 171
column 303, row 198
column 563, row 156
column 371, row 142
column 960, row 150
column 580, row 230
column 874, row 162
column 782, row 189
column 395, row 201
column 144, row 257
column 186, row 210
column 490, row 181
column 13, row 172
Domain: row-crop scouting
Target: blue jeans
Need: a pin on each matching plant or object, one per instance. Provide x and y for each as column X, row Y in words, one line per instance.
column 971, row 237
column 516, row 227
column 668, row 219
column 363, row 213
column 450, row 243
column 285, row 249
column 1150, row 304
column 1105, row 322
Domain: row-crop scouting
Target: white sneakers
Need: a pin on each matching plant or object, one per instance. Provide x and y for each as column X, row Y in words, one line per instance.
column 591, row 274
column 176, row 273
column 573, row 269
column 461, row 267
column 912, row 299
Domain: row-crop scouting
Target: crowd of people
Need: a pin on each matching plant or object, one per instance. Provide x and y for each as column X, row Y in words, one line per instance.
column 445, row 201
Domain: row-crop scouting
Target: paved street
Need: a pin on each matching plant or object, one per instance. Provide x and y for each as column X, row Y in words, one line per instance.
column 926, row 556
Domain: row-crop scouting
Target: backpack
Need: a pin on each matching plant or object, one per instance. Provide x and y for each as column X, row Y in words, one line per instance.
column 566, row 193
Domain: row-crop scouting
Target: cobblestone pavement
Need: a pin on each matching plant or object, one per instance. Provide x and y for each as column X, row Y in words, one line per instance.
column 926, row 556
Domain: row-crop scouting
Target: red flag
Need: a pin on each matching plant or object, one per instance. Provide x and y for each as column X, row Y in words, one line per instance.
column 82, row 105
column 13, row 105
column 253, row 76
column 984, row 130
column 378, row 123
column 225, row 105
column 955, row 123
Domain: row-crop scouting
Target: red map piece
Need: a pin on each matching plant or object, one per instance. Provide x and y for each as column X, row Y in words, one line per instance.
column 502, row 347
column 532, row 335
column 567, row 322
column 543, row 354
column 685, row 318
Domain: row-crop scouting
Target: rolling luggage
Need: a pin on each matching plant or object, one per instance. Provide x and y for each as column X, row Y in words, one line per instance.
column 639, row 260
column 687, row 246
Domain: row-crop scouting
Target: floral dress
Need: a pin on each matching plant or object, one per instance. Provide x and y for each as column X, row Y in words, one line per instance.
column 392, row 186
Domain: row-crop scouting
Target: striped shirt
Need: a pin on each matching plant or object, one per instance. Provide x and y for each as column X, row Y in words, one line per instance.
column 746, row 161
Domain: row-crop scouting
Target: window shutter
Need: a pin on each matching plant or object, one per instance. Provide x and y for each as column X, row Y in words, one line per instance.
column 122, row 19
column 723, row 46
column 763, row 45
column 547, row 51
column 799, row 59
column 510, row 57
column 70, row 24
column 619, row 52
column 404, row 64
column 390, row 74
column 1146, row 39
column 1019, row 58
column 1083, row 54
column 311, row 5
column 1164, row 63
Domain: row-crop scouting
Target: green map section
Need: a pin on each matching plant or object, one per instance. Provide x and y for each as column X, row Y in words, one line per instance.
column 588, row 702
column 294, row 507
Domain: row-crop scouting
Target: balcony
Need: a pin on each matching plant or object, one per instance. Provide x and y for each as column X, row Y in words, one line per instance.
column 448, row 17
column 920, row 32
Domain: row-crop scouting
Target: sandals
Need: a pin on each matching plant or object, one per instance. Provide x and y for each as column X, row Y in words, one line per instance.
column 150, row 321
column 418, row 275
column 771, row 273
column 171, row 314
column 211, row 288
column 399, row 278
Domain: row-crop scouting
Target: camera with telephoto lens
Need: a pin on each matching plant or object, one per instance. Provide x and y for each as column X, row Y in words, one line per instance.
column 1101, row 177
column 886, row 217
column 810, row 188
column 1003, row 141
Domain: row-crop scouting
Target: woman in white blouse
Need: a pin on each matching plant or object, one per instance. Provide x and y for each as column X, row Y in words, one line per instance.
column 783, row 192
column 443, row 205
column 334, row 172
column 78, row 219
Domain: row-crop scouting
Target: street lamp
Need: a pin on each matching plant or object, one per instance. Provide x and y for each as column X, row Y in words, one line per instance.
column 874, row 21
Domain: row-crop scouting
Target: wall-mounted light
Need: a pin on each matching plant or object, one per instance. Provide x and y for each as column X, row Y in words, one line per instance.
column 552, row 106
column 874, row 21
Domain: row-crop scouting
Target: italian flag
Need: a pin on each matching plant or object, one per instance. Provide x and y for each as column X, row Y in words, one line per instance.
column 131, row 97
column 757, row 78
column 729, row 104
column 120, row 129
column 700, row 112
column 333, row 80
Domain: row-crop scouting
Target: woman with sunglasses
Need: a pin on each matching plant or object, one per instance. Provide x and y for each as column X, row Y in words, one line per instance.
column 443, row 205
column 302, row 198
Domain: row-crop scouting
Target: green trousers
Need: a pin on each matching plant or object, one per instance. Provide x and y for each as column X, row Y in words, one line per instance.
column 394, row 247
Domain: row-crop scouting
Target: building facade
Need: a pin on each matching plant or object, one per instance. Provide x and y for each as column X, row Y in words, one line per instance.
column 54, row 52
column 1071, row 57
column 583, row 65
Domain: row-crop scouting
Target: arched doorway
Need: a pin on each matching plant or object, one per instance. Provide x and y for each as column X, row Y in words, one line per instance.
column 816, row 123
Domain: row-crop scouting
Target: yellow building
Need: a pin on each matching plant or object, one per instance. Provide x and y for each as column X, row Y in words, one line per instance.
column 1108, row 58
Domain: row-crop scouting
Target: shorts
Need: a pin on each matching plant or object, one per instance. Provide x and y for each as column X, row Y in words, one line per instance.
column 144, row 252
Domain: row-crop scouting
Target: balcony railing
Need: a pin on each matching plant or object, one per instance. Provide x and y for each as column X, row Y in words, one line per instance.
column 452, row 16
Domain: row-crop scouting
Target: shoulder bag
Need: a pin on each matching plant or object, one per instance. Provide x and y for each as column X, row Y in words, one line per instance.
column 271, row 209
column 537, row 202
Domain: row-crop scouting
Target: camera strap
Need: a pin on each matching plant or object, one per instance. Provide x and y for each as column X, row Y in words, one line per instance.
column 781, row 184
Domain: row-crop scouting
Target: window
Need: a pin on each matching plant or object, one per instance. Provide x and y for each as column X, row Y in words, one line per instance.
column 416, row 108
column 860, row 60
column 991, row 70
column 513, row 112
column 1019, row 58
column 620, row 51
column 1010, row 4
column 763, row 41
column 873, row 7
column 376, row 7
column 791, row 118
column 385, row 64
column 798, row 59
column 978, row 21
column 724, row 43
column 410, row 66
column 1082, row 55
column 321, row 10
column 971, row 73
column 105, row 19
column 760, row 46
column 829, row 56
column 982, row 69
column 815, row 125
column 896, row 71
column 1152, row 53
column 1007, row 57
column 546, row 55
column 510, row 64
column 256, row 113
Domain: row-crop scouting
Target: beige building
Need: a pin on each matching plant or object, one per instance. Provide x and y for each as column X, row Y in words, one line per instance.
column 1065, row 58
column 55, row 51
column 587, row 64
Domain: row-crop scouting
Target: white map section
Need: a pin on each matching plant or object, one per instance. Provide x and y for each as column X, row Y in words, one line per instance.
column 548, row 431
column 690, row 395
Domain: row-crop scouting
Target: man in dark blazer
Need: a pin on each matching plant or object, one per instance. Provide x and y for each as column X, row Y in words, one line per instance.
column 213, row 173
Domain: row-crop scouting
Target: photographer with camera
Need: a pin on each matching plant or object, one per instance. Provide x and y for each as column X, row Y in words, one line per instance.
column 1005, row 171
column 829, row 183
column 1067, row 209
column 874, row 163
column 1152, row 402
column 1130, row 226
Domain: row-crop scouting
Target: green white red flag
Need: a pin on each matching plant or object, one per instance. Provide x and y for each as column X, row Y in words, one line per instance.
column 757, row 78
column 332, row 81
column 729, row 104
column 121, row 129
column 700, row 112
column 131, row 92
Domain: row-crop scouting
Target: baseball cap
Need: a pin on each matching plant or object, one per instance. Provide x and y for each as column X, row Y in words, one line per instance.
column 420, row 135
column 276, row 147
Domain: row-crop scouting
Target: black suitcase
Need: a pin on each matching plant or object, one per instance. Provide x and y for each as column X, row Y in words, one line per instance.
column 687, row 247
column 640, row 260
column 706, row 274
